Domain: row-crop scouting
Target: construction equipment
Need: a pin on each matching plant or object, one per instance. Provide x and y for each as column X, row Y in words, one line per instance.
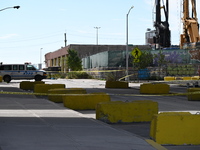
column 162, row 36
column 190, row 36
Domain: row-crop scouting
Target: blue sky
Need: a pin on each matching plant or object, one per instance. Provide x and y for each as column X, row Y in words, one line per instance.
column 42, row 24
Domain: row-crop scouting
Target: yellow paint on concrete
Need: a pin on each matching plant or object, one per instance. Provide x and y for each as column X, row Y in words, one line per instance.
column 159, row 88
column 118, row 111
column 58, row 99
column 176, row 128
column 169, row 78
column 193, row 96
column 43, row 88
column 116, row 84
column 155, row 145
column 84, row 101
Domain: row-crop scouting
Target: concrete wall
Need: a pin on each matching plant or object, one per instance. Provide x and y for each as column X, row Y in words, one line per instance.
column 58, row 57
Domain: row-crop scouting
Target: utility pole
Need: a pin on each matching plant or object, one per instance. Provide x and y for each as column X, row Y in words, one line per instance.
column 40, row 65
column 97, row 28
column 65, row 35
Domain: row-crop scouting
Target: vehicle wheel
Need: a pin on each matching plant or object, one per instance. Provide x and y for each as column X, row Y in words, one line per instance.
column 38, row 78
column 7, row 78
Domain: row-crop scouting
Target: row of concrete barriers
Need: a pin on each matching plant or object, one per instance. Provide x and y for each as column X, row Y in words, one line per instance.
column 175, row 128
column 171, row 78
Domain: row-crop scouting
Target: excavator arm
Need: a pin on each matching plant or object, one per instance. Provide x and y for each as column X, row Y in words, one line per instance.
column 162, row 32
column 190, row 24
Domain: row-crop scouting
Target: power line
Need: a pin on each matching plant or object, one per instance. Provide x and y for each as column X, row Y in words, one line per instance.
column 23, row 46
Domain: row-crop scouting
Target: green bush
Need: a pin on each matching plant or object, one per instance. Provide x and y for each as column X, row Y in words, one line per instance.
column 155, row 78
column 78, row 75
column 56, row 76
column 110, row 77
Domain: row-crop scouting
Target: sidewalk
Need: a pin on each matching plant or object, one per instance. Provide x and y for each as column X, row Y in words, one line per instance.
column 30, row 123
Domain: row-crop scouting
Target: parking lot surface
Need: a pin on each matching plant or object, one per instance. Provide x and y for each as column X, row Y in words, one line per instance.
column 24, row 115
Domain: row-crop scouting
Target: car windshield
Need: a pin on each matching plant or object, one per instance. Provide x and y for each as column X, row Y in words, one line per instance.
column 30, row 67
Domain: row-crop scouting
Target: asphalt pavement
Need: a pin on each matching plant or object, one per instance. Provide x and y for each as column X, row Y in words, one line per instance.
column 28, row 122
column 32, row 123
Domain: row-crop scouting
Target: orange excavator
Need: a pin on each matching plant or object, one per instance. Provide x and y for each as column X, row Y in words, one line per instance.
column 190, row 36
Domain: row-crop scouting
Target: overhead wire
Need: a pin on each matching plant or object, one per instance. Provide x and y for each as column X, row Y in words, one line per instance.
column 30, row 38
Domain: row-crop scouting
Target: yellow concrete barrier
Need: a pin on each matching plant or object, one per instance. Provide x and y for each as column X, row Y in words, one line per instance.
column 116, row 84
column 126, row 112
column 168, row 78
column 176, row 129
column 28, row 85
column 193, row 96
column 159, row 88
column 195, row 78
column 84, row 101
column 186, row 78
column 43, row 88
column 1, row 78
column 25, row 85
column 58, row 99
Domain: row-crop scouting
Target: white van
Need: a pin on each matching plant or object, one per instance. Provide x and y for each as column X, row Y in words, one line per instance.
column 21, row 71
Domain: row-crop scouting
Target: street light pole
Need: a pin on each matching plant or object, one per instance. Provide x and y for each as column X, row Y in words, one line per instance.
column 15, row 7
column 97, row 33
column 127, row 78
column 40, row 58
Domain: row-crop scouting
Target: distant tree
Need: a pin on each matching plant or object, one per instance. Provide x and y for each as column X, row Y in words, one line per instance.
column 145, row 60
column 73, row 61
column 159, row 59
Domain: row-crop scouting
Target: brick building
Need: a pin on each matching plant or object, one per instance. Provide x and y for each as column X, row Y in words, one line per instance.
column 58, row 57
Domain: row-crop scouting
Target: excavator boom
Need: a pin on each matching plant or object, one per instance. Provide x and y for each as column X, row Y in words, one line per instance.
column 190, row 24
column 162, row 32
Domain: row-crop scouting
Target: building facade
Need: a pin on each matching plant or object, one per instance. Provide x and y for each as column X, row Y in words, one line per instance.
column 58, row 57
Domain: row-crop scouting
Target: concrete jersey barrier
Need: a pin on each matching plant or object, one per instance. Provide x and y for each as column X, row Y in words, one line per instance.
column 193, row 96
column 126, row 112
column 159, row 88
column 84, row 101
column 58, row 98
column 176, row 128
column 28, row 85
column 43, row 88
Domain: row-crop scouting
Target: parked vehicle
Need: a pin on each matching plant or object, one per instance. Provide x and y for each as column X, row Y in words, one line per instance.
column 21, row 71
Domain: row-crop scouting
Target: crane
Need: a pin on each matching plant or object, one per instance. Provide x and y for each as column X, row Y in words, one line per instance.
column 190, row 24
column 162, row 33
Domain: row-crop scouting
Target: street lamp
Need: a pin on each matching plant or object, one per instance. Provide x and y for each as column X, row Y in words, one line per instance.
column 15, row 7
column 97, row 33
column 40, row 66
column 127, row 78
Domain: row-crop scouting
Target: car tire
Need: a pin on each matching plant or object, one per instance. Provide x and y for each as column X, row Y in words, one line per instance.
column 38, row 78
column 7, row 78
